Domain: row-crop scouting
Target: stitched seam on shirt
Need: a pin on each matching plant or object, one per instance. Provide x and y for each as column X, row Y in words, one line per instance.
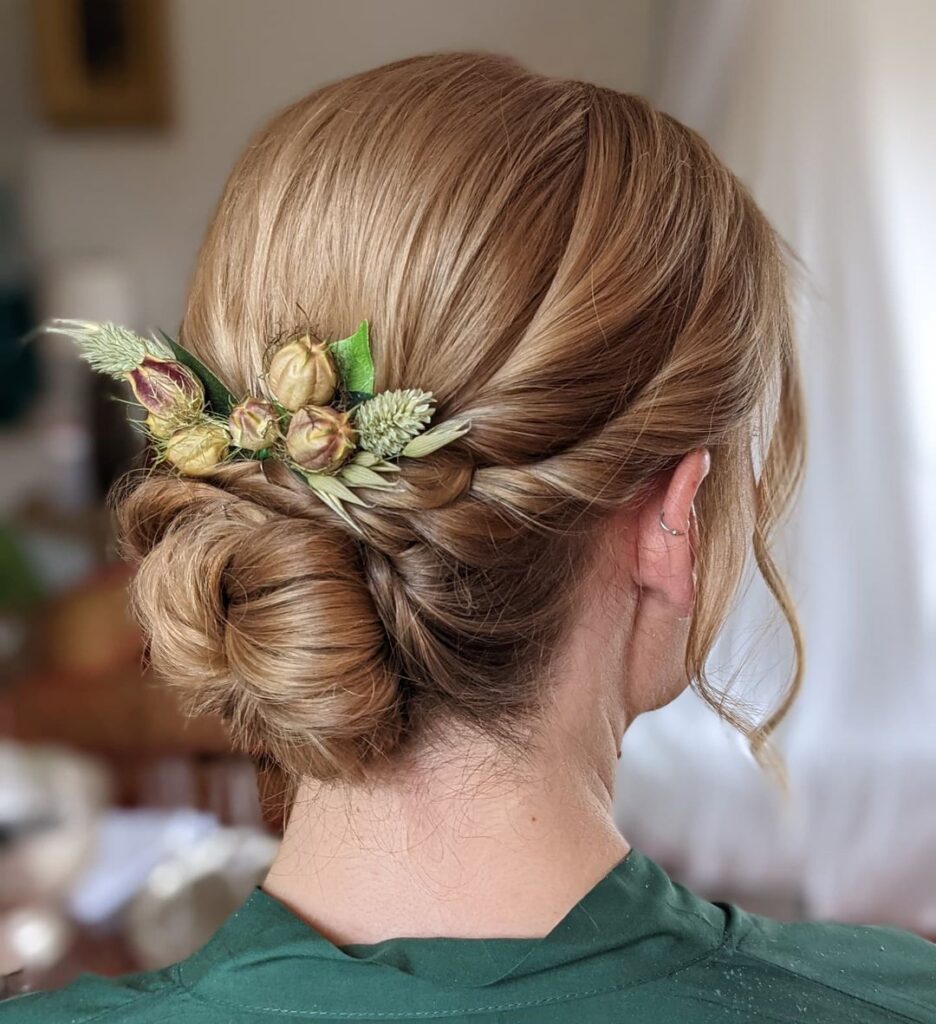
column 844, row 992
column 101, row 1014
column 428, row 1014
column 696, row 916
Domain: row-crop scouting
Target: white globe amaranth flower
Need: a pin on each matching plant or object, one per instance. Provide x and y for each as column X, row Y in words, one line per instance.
column 387, row 422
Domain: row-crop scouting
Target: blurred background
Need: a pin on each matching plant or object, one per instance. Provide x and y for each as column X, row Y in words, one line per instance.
column 126, row 833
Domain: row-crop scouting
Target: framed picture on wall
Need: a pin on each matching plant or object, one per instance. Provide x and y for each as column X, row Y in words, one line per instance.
column 103, row 63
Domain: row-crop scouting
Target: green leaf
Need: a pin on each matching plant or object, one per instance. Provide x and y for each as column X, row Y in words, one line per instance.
column 355, row 364
column 356, row 397
column 219, row 399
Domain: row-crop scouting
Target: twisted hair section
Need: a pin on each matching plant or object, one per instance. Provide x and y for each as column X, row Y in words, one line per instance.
column 571, row 270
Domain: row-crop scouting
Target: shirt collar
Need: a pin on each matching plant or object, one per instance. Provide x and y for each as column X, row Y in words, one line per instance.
column 264, row 957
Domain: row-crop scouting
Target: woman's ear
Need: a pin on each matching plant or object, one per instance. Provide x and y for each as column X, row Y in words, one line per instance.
column 666, row 538
column 662, row 567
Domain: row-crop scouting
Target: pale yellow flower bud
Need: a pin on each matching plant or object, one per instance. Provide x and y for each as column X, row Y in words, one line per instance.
column 319, row 438
column 159, row 427
column 253, row 424
column 302, row 372
column 198, row 449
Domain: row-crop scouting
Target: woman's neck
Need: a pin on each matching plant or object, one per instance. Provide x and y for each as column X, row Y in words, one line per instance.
column 468, row 847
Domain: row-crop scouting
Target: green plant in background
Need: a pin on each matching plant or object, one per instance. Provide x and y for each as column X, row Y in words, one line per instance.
column 20, row 588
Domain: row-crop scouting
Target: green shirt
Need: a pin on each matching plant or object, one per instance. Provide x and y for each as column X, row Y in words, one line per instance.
column 636, row 949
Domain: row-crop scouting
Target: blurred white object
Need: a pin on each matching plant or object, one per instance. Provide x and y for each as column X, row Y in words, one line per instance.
column 50, row 804
column 825, row 110
column 130, row 843
column 50, row 455
column 85, row 288
column 82, row 288
column 188, row 896
column 34, row 939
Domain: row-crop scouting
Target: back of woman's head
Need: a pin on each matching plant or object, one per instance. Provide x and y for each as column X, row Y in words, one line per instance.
column 570, row 270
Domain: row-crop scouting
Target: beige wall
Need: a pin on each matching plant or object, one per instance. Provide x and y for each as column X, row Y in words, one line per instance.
column 144, row 200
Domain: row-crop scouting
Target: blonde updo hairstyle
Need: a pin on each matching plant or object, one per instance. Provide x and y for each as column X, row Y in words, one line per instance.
column 571, row 270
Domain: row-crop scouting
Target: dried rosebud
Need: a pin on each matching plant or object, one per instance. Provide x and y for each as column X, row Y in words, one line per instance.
column 253, row 424
column 197, row 450
column 302, row 372
column 319, row 438
column 167, row 389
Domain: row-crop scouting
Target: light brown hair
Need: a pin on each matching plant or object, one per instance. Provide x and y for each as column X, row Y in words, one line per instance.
column 568, row 268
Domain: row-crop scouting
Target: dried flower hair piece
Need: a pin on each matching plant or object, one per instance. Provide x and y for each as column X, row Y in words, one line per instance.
column 317, row 412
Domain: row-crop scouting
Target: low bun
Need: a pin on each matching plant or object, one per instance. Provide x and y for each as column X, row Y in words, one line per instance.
column 264, row 619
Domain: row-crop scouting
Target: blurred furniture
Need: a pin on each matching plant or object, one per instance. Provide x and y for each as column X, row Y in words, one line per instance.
column 87, row 691
column 87, row 888
column 51, row 800
column 83, row 693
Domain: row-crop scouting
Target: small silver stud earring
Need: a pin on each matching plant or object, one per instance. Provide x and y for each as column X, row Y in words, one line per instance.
column 669, row 529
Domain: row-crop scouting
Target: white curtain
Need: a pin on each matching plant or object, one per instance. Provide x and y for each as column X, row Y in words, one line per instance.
column 825, row 108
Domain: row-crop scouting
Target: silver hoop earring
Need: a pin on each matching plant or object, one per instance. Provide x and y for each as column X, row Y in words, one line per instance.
column 669, row 529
